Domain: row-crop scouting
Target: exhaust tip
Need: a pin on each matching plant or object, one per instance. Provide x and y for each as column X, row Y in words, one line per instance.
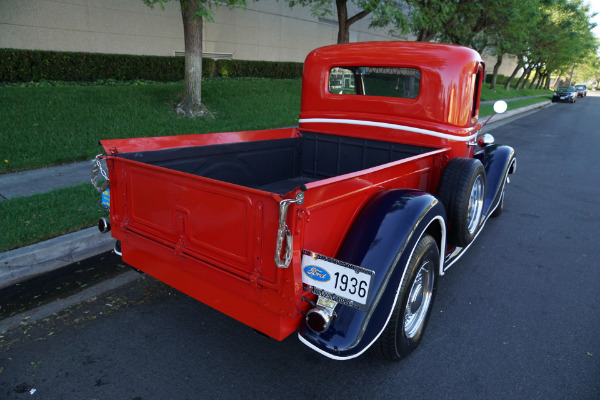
column 319, row 319
column 117, row 248
column 104, row 225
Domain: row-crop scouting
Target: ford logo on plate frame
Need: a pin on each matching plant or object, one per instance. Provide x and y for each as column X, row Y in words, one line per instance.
column 317, row 273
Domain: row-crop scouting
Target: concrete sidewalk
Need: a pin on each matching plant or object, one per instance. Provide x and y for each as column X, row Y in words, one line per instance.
column 27, row 262
column 43, row 180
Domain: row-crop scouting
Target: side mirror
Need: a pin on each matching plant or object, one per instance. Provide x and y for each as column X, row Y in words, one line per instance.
column 500, row 106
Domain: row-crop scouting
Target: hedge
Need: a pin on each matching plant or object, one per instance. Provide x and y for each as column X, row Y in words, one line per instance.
column 259, row 69
column 37, row 65
column 500, row 79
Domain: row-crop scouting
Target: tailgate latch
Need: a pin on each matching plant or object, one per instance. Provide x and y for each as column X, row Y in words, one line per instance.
column 283, row 232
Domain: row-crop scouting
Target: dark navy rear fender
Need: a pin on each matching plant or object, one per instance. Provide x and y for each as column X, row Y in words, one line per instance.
column 498, row 161
column 382, row 239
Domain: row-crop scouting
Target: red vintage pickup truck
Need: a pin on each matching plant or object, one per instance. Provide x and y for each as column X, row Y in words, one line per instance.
column 339, row 228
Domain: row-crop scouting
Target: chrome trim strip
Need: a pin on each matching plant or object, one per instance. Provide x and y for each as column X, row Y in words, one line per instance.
column 387, row 125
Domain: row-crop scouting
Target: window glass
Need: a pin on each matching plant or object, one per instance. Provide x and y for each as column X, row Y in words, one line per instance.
column 375, row 81
column 342, row 81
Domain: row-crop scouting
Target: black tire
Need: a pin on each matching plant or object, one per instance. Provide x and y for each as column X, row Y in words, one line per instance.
column 402, row 333
column 462, row 191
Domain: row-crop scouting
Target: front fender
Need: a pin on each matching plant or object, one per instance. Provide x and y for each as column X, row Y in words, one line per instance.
column 382, row 239
column 498, row 161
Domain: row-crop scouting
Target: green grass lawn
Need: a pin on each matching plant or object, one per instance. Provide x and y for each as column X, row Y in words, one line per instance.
column 53, row 125
column 501, row 94
column 43, row 125
column 30, row 219
column 486, row 110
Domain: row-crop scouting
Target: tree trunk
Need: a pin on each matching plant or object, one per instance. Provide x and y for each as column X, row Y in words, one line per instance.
column 523, row 79
column 542, row 80
column 495, row 75
column 536, row 77
column 514, row 73
column 571, row 77
column 553, row 85
column 425, row 35
column 190, row 104
column 344, row 22
column 343, row 27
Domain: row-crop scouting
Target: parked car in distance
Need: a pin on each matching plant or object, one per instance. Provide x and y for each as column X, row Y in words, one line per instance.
column 565, row 93
column 581, row 90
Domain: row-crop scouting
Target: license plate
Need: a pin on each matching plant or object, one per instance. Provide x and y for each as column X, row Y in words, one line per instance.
column 336, row 280
column 105, row 198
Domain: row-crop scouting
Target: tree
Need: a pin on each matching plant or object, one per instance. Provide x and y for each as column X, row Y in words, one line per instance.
column 588, row 69
column 193, row 14
column 570, row 40
column 383, row 12
column 557, row 34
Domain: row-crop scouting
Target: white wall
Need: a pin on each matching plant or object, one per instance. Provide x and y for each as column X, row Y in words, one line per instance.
column 265, row 30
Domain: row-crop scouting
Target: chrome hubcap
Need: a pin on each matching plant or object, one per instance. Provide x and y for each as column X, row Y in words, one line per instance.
column 475, row 205
column 419, row 300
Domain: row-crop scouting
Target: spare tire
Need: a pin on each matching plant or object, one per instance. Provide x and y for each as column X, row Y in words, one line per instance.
column 462, row 191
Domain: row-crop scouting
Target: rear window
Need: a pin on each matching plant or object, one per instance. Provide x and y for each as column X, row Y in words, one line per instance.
column 566, row 89
column 375, row 81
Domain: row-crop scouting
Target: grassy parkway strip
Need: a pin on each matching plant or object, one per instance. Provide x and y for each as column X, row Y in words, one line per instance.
column 54, row 124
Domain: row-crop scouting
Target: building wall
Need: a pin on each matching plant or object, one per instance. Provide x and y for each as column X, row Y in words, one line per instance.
column 264, row 30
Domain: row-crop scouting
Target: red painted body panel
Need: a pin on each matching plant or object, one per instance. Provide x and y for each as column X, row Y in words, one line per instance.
column 215, row 240
column 448, row 100
column 168, row 142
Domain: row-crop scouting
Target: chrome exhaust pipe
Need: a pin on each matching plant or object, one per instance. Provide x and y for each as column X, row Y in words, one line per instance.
column 319, row 319
column 104, row 225
column 117, row 248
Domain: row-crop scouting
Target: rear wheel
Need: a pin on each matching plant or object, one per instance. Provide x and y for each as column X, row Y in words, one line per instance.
column 406, row 326
column 462, row 191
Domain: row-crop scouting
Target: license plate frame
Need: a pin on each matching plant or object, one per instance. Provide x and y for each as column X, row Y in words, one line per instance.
column 324, row 276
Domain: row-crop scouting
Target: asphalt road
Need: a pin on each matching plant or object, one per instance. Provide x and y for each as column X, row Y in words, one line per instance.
column 516, row 318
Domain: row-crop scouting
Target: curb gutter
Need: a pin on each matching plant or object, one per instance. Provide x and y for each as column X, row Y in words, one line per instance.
column 30, row 261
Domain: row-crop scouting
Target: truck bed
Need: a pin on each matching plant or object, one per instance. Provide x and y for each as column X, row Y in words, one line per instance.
column 204, row 217
column 279, row 165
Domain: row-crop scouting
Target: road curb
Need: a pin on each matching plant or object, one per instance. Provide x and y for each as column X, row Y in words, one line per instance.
column 521, row 110
column 30, row 261
column 59, row 305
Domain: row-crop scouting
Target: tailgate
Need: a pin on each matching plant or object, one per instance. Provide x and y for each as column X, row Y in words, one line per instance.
column 216, row 222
